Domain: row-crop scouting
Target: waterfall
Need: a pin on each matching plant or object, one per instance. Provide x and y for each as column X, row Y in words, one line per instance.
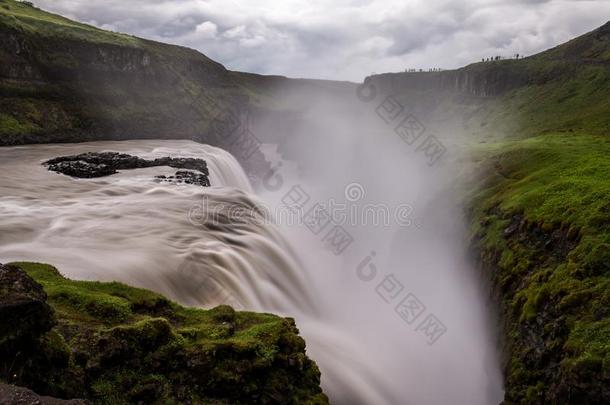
column 225, row 245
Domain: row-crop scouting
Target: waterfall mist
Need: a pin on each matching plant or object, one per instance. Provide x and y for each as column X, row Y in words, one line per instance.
column 407, row 223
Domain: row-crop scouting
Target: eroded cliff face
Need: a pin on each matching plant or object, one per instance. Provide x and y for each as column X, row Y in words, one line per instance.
column 14, row 65
column 550, row 310
column 485, row 80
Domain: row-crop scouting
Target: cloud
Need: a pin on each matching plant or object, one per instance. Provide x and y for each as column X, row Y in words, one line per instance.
column 344, row 39
column 235, row 32
column 207, row 30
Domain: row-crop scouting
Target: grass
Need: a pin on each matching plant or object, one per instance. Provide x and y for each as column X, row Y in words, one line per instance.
column 560, row 178
column 121, row 344
column 553, row 268
column 541, row 222
column 540, row 218
column 9, row 125
column 560, row 97
column 32, row 20
column 98, row 304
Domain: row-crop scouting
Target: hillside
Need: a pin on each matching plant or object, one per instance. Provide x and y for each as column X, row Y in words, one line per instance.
column 539, row 134
column 563, row 89
column 62, row 81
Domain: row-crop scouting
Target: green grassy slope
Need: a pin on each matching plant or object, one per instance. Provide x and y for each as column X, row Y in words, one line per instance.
column 540, row 216
column 566, row 96
column 563, row 89
column 541, row 222
column 26, row 17
column 115, row 344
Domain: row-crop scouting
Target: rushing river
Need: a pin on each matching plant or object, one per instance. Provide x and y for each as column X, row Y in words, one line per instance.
column 230, row 244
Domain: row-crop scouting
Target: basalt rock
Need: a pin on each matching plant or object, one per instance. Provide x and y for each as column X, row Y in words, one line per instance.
column 82, row 169
column 94, row 164
column 186, row 177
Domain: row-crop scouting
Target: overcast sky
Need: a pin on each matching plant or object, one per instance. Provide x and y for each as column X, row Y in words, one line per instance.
column 344, row 39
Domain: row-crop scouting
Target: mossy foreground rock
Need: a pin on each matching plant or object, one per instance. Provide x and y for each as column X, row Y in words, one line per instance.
column 114, row 344
column 25, row 312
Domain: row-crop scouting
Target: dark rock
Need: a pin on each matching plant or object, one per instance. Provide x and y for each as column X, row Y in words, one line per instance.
column 82, row 169
column 186, row 177
column 24, row 312
column 94, row 164
column 516, row 223
column 114, row 160
column 183, row 163
column 13, row 395
column 223, row 313
column 510, row 229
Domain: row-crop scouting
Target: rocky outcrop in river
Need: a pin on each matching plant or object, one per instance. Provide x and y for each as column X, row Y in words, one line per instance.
column 93, row 164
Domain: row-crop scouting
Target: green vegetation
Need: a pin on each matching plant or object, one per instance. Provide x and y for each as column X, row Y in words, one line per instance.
column 541, row 220
column 540, row 212
column 561, row 97
column 116, row 344
column 9, row 125
column 26, row 17
column 559, row 178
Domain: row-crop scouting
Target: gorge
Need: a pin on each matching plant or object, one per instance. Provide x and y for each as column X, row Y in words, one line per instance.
column 438, row 237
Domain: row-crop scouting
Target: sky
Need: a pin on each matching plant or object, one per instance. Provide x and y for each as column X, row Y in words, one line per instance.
column 344, row 39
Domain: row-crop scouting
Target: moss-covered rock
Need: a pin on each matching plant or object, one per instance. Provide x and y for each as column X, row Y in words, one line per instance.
column 115, row 344
column 24, row 312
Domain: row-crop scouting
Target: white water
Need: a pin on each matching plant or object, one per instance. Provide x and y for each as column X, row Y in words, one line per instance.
column 157, row 235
